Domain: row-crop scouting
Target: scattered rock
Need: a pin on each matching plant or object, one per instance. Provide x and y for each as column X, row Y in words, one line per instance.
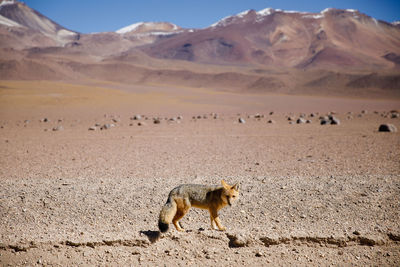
column 387, row 128
column 335, row 121
column 44, row 120
column 238, row 240
column 115, row 120
column 58, row 128
column 141, row 123
column 324, row 120
column 300, row 120
column 136, row 117
column 271, row 121
column 395, row 115
column 93, row 128
column 241, row 120
column 107, row 126
column 156, row 121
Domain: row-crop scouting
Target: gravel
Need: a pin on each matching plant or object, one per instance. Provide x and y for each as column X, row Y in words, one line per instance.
column 310, row 195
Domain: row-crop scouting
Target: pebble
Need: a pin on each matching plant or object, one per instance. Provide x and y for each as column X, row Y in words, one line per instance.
column 241, row 120
column 259, row 254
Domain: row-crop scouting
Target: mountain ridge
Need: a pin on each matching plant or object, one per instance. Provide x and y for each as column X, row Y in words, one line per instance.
column 264, row 51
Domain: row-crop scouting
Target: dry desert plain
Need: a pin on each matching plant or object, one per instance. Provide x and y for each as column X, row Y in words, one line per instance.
column 310, row 194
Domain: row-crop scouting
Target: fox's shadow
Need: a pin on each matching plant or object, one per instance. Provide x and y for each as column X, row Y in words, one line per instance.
column 153, row 236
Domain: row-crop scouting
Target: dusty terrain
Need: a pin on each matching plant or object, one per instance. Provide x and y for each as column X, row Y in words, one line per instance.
column 311, row 194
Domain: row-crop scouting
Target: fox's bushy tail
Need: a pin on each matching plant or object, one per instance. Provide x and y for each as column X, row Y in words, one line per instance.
column 167, row 213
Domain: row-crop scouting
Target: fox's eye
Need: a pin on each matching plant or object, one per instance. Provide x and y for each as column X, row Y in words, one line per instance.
column 233, row 196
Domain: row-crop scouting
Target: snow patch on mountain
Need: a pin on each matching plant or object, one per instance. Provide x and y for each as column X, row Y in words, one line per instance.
column 265, row 12
column 314, row 16
column 7, row 22
column 7, row 2
column 130, row 28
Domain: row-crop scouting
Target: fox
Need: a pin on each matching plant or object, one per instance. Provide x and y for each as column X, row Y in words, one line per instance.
column 208, row 197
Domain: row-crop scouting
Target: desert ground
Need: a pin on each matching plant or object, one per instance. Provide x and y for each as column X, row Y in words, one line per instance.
column 310, row 194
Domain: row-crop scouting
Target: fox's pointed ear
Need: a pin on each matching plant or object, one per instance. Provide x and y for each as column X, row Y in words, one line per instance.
column 236, row 186
column 225, row 185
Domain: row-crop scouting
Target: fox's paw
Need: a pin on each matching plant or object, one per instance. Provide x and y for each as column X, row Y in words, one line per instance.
column 222, row 228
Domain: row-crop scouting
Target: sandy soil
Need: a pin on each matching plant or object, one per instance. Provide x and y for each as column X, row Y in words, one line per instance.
column 310, row 194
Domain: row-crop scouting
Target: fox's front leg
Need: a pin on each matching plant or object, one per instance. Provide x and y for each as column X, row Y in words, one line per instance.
column 215, row 220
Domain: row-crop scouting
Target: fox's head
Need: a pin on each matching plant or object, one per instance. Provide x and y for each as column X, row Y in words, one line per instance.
column 230, row 193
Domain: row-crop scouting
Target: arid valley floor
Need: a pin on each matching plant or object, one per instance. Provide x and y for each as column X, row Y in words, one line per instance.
column 311, row 194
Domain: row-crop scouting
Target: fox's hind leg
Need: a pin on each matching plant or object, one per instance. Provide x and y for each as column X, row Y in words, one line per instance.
column 183, row 208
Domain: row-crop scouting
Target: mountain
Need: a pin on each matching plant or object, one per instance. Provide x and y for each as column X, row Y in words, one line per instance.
column 334, row 52
column 345, row 38
column 30, row 27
